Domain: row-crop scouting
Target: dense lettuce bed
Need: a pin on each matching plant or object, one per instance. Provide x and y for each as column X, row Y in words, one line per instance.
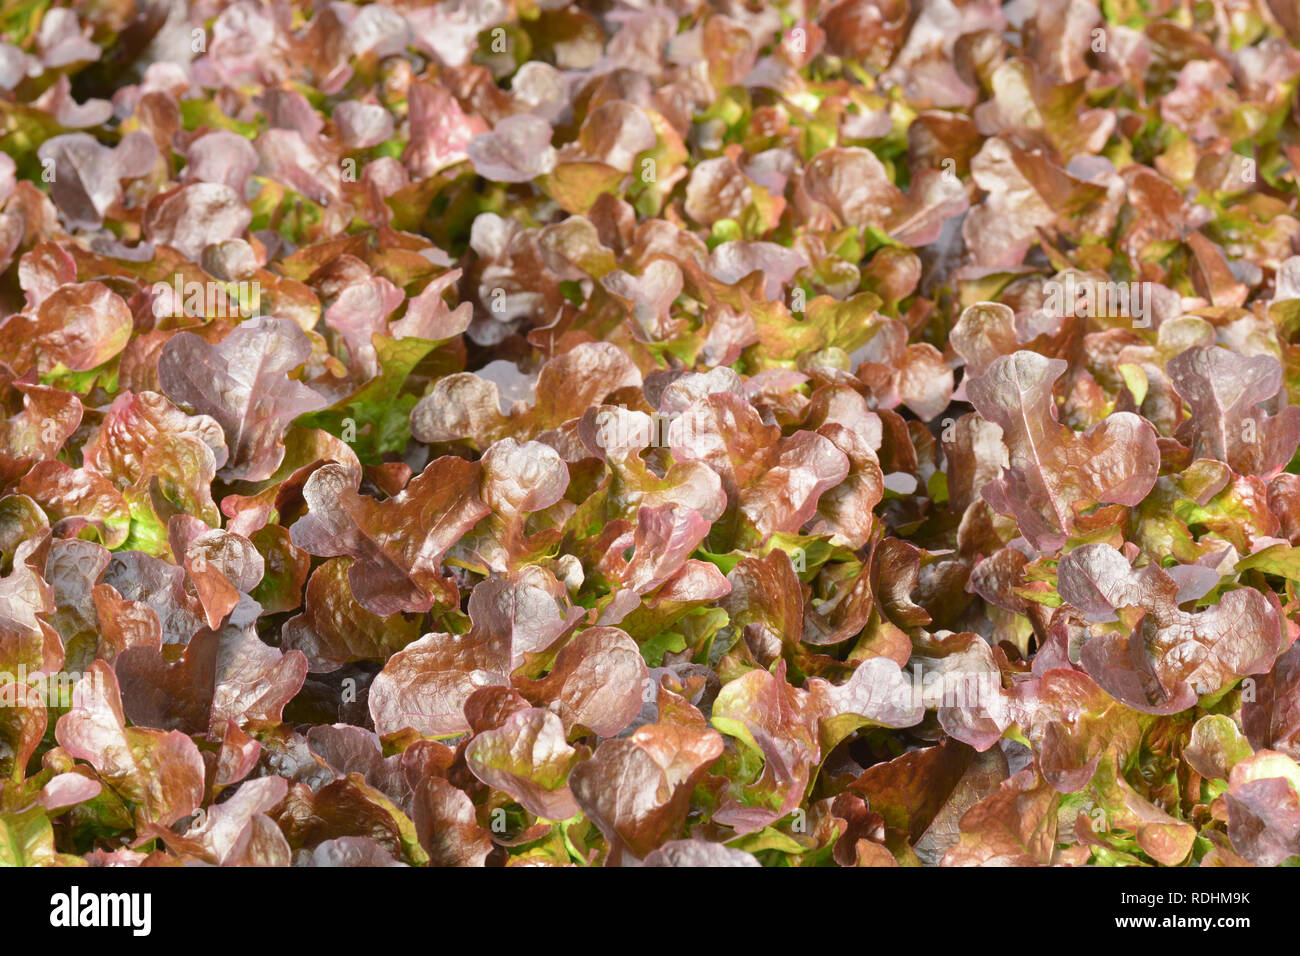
column 531, row 433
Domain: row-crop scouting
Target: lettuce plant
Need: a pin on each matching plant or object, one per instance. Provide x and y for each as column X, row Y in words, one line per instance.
column 520, row 432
